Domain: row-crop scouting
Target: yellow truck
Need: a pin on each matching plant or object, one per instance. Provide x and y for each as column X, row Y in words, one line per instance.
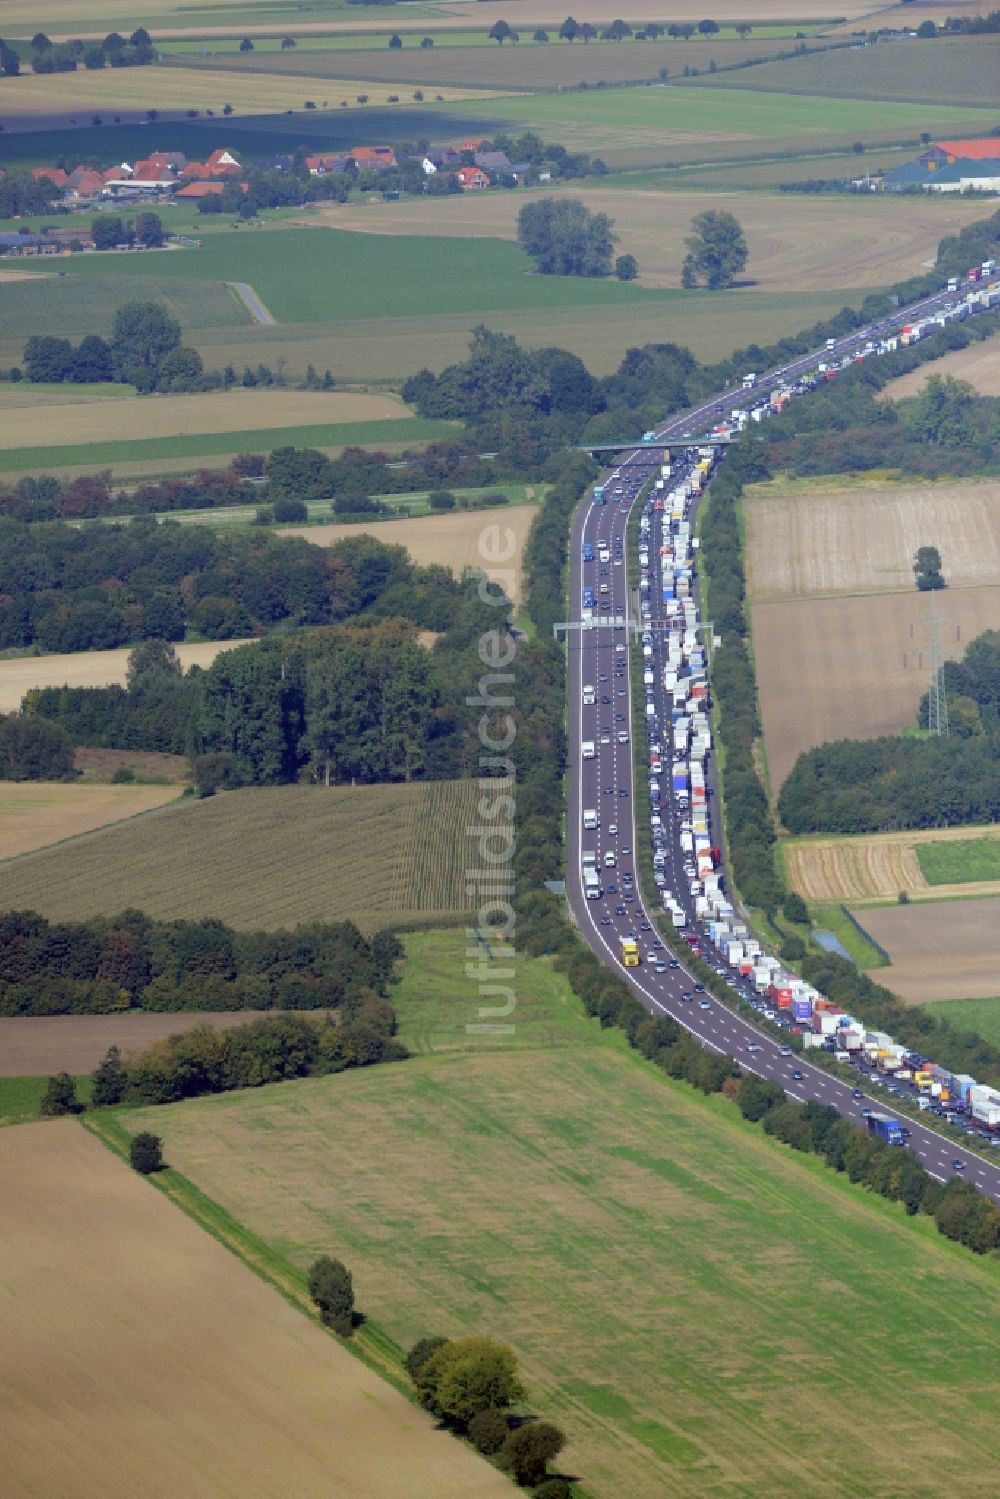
column 630, row 952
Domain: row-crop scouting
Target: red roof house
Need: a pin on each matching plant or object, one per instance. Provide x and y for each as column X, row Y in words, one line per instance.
column 206, row 189
column 373, row 156
column 55, row 175
column 472, row 179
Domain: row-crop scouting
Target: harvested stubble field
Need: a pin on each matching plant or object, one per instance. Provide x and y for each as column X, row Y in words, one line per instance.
column 267, row 857
column 457, row 540
column 838, row 668
column 173, row 87
column 526, row 66
column 950, row 950
column 850, row 243
column 177, row 416
column 38, row 1046
column 34, row 814
column 820, row 538
column 878, row 866
column 140, row 1357
column 979, row 364
column 954, row 71
column 18, row 674
column 508, row 1188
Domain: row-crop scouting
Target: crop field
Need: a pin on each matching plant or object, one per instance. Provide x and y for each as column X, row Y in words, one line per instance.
column 248, row 93
column 139, row 453
column 18, row 674
column 930, row 865
column 815, row 540
column 72, row 307
column 632, row 126
column 452, row 540
column 849, row 243
column 42, row 1045
column 504, row 1187
column 36, row 813
column 953, row 71
column 948, row 950
column 267, row 857
column 146, row 417
column 839, row 668
column 471, row 64
column 979, row 364
column 28, row 396
column 142, row 1358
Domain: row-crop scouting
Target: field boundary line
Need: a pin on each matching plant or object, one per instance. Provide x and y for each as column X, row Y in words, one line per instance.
column 862, row 932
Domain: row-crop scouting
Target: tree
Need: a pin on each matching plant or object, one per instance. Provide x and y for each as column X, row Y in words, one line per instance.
column 10, row 62
column 148, row 230
column 420, row 1353
column 718, row 248
column 48, row 359
column 795, row 908
column 40, row 42
column 626, row 268
column 60, row 1097
column 287, row 42
column 395, row 42
column 689, row 274
column 331, row 1288
column 109, row 1080
column 145, row 1153
column 941, row 414
column 246, row 45
column 500, row 31
column 529, row 1449
column 108, row 230
column 565, row 239
column 488, row 1431
column 441, row 499
column 143, row 333
column 140, row 37
column 181, row 369
column 742, row 29
column 92, row 361
column 540, row 36
column 708, row 28
column 152, row 659
column 927, row 569
column 926, row 31
column 427, row 43
column 588, row 32
column 569, row 30
column 469, row 1375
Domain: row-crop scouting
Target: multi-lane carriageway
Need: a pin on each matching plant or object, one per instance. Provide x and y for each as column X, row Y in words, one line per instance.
column 606, row 783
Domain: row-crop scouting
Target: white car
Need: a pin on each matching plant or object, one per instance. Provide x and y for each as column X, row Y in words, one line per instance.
column 613, row 830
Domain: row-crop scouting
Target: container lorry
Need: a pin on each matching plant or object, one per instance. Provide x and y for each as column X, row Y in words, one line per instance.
column 630, row 952
column 599, row 494
column 587, row 749
column 590, row 817
column 886, row 1128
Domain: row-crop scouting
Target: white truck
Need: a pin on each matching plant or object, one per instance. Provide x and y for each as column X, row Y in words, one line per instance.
column 589, row 695
column 587, row 749
column 590, row 817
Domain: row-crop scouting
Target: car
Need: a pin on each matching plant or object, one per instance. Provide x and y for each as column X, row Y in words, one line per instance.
column 687, row 994
column 660, row 967
column 623, row 791
column 957, row 1164
column 605, row 921
column 645, row 927
column 602, row 677
column 673, row 963
column 699, row 988
column 619, row 910
column 703, row 1004
column 626, row 849
column 658, row 945
column 612, row 889
column 628, row 897
column 798, row 1074
column 785, row 1051
column 605, row 698
column 857, row 1094
column 609, row 791
column 613, row 833
column 605, row 738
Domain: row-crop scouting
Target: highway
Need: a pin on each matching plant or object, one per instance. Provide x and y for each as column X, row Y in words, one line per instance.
column 600, row 657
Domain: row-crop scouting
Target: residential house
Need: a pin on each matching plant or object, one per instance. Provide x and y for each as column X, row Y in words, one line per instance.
column 373, row 157
column 221, row 162
column 26, row 244
column 55, row 175
column 194, row 190
column 493, row 161
column 476, row 145
column 325, row 162
column 174, row 160
column 472, row 179
column 945, row 153
column 84, row 184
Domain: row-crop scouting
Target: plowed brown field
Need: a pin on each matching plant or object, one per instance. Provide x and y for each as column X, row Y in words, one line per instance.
column 843, row 668
column 950, row 950
column 37, row 1046
column 876, row 867
column 141, row 1358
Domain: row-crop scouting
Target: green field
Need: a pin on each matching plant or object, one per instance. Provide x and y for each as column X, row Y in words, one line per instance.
column 72, row 305
column 266, row 857
column 979, row 1015
column 213, row 444
column 401, row 506
column 704, row 1312
column 959, row 862
column 21, row 1097
column 953, row 71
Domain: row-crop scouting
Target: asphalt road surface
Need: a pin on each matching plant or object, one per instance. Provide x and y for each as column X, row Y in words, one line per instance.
column 605, row 783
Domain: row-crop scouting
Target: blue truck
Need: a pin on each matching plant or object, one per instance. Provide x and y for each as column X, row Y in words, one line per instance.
column 599, row 494
column 886, row 1128
column 588, row 552
column 588, row 598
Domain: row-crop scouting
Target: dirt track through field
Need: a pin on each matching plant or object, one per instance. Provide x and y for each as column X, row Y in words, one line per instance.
column 142, row 1359
column 88, row 669
column 834, row 668
column 37, row 1046
column 458, row 540
column 863, row 540
column 950, row 950
column 877, row 866
column 847, row 243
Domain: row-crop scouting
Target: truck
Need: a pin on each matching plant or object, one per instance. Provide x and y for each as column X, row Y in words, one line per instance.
column 886, row 1128
column 587, row 749
column 589, row 695
column 591, row 884
column 749, row 381
column 630, row 952
column 599, row 494
column 831, row 344
column 588, row 552
column 590, row 817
